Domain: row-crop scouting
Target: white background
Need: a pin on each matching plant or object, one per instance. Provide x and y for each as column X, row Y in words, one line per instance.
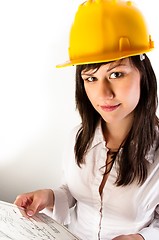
column 37, row 107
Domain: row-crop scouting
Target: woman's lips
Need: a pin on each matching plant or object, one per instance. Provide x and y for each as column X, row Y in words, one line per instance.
column 109, row 108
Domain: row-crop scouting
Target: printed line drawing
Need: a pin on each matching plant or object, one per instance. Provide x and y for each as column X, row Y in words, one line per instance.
column 15, row 225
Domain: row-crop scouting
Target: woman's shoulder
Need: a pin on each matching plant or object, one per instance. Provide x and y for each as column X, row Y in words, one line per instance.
column 68, row 149
column 74, row 131
column 157, row 137
column 70, row 138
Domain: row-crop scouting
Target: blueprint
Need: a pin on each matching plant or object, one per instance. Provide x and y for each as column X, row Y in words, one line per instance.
column 16, row 225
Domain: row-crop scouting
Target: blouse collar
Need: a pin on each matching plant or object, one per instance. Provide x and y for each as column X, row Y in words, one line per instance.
column 99, row 139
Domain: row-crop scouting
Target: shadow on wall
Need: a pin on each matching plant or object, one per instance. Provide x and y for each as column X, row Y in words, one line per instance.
column 37, row 166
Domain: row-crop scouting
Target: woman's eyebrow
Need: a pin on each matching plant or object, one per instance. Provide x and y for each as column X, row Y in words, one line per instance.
column 87, row 74
column 114, row 65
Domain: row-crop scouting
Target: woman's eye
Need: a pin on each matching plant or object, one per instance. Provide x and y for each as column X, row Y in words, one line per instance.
column 90, row 79
column 115, row 75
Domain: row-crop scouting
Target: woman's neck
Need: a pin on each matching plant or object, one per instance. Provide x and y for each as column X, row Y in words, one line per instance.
column 115, row 134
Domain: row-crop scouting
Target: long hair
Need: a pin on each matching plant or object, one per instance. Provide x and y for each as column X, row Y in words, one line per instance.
column 132, row 163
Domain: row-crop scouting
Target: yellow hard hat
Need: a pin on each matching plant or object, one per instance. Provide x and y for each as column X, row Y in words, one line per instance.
column 107, row 30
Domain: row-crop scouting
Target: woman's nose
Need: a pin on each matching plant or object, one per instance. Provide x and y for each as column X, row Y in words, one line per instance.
column 105, row 90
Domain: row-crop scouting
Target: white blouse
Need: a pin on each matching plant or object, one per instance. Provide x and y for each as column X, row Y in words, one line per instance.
column 120, row 210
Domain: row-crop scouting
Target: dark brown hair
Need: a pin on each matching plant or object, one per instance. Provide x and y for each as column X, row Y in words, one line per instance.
column 132, row 164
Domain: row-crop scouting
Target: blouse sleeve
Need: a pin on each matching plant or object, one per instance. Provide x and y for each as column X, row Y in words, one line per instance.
column 152, row 231
column 64, row 200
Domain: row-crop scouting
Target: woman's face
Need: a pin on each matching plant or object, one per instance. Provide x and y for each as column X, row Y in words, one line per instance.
column 113, row 89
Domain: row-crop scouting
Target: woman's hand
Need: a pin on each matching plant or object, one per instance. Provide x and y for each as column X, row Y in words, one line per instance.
column 129, row 237
column 36, row 201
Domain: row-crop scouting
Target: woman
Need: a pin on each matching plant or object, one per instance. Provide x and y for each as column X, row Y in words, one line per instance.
column 111, row 162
